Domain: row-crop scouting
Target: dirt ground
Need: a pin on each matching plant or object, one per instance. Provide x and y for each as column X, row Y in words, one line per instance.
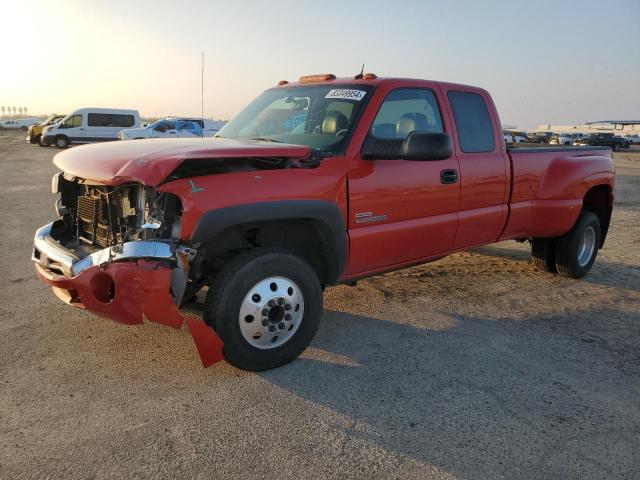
column 476, row 366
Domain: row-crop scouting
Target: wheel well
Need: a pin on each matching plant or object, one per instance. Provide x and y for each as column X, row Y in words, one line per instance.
column 599, row 200
column 309, row 239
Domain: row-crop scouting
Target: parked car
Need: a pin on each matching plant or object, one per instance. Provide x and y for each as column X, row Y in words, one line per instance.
column 540, row 137
column 314, row 183
column 20, row 123
column 604, row 140
column 632, row 138
column 515, row 137
column 173, row 128
column 34, row 132
column 88, row 125
column 565, row 138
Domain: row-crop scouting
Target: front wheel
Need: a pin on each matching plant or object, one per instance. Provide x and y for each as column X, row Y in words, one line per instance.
column 576, row 250
column 61, row 142
column 266, row 306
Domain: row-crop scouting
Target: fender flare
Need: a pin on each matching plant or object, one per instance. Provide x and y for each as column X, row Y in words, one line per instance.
column 326, row 213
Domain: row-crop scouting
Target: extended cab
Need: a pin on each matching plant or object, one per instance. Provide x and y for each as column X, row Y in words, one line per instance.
column 314, row 183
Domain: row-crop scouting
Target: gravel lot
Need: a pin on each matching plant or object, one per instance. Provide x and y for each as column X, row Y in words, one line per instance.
column 476, row 366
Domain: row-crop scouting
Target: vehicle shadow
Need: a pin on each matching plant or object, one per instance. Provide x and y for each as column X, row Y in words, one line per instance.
column 604, row 272
column 483, row 399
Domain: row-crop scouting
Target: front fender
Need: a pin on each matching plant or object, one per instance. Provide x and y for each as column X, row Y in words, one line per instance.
column 326, row 213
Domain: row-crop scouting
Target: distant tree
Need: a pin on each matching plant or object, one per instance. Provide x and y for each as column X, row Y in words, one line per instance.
column 19, row 110
column 14, row 111
column 3, row 109
column 24, row 109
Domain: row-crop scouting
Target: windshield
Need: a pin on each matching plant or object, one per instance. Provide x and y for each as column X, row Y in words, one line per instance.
column 317, row 116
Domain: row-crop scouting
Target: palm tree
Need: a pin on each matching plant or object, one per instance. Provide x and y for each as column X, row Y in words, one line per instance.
column 14, row 111
column 20, row 111
column 3, row 109
column 24, row 109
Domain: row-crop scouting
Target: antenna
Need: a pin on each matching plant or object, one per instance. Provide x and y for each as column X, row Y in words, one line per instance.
column 202, row 93
column 362, row 70
column 360, row 75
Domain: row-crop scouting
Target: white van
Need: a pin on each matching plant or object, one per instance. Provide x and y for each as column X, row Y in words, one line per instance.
column 88, row 125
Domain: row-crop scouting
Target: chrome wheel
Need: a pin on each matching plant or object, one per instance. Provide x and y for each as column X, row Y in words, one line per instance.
column 587, row 246
column 271, row 312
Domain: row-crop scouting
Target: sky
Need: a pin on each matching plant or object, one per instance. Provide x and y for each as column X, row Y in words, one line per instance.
column 543, row 62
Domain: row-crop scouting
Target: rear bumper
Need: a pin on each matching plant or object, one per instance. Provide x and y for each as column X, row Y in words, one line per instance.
column 125, row 285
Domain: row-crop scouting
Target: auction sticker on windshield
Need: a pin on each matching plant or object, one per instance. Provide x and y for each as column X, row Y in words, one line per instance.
column 346, row 93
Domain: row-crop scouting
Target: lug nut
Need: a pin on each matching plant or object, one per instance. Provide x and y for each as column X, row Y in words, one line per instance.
column 281, row 325
column 287, row 306
column 265, row 322
column 287, row 317
column 265, row 312
column 281, row 301
column 272, row 303
column 272, row 328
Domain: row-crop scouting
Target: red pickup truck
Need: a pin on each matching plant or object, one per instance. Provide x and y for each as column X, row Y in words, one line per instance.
column 314, row 183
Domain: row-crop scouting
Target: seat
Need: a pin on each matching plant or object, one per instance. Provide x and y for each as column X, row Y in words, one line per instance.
column 412, row 122
column 384, row 130
column 334, row 122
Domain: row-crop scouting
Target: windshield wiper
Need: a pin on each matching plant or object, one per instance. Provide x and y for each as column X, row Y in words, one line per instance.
column 265, row 139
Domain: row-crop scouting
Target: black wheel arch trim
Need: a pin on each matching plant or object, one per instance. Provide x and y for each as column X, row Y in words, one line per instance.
column 327, row 213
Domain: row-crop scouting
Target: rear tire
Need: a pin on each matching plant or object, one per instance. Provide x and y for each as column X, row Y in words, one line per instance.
column 266, row 306
column 576, row 251
column 543, row 251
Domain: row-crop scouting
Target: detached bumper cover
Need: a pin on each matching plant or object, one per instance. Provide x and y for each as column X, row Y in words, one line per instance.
column 126, row 292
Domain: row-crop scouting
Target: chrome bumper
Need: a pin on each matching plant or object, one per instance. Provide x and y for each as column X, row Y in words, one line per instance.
column 49, row 253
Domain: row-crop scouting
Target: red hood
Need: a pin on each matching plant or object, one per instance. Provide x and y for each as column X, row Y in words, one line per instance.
column 150, row 161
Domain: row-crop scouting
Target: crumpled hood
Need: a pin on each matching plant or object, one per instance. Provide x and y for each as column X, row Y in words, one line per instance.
column 151, row 161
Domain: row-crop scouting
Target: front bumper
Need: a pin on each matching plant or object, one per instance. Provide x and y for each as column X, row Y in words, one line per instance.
column 47, row 139
column 124, row 283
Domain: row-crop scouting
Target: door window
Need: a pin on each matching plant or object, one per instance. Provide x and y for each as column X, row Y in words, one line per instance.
column 473, row 124
column 406, row 110
column 73, row 121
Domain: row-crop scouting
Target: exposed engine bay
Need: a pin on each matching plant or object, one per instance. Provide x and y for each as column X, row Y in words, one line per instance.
column 97, row 216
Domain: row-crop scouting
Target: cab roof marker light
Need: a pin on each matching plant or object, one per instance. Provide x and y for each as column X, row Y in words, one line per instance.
column 323, row 77
column 283, row 82
column 369, row 76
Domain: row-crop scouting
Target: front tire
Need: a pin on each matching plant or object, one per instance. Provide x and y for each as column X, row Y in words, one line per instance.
column 576, row 250
column 266, row 306
column 61, row 142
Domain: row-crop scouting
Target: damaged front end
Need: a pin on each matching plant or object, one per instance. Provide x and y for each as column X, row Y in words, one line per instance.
column 116, row 251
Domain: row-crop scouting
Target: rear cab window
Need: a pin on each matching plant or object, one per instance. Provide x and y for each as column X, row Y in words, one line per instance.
column 472, row 121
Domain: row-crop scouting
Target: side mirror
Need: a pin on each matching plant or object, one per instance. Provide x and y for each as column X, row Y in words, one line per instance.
column 426, row 146
column 418, row 146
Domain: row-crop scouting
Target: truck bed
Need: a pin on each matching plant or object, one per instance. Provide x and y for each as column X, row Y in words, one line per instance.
column 547, row 184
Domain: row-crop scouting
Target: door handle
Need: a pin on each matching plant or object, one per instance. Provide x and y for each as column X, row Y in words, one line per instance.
column 449, row 176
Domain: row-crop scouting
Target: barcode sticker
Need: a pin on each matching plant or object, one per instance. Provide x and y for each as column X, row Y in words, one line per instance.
column 346, row 94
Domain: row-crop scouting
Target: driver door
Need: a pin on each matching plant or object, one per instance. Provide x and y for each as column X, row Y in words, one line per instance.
column 401, row 211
